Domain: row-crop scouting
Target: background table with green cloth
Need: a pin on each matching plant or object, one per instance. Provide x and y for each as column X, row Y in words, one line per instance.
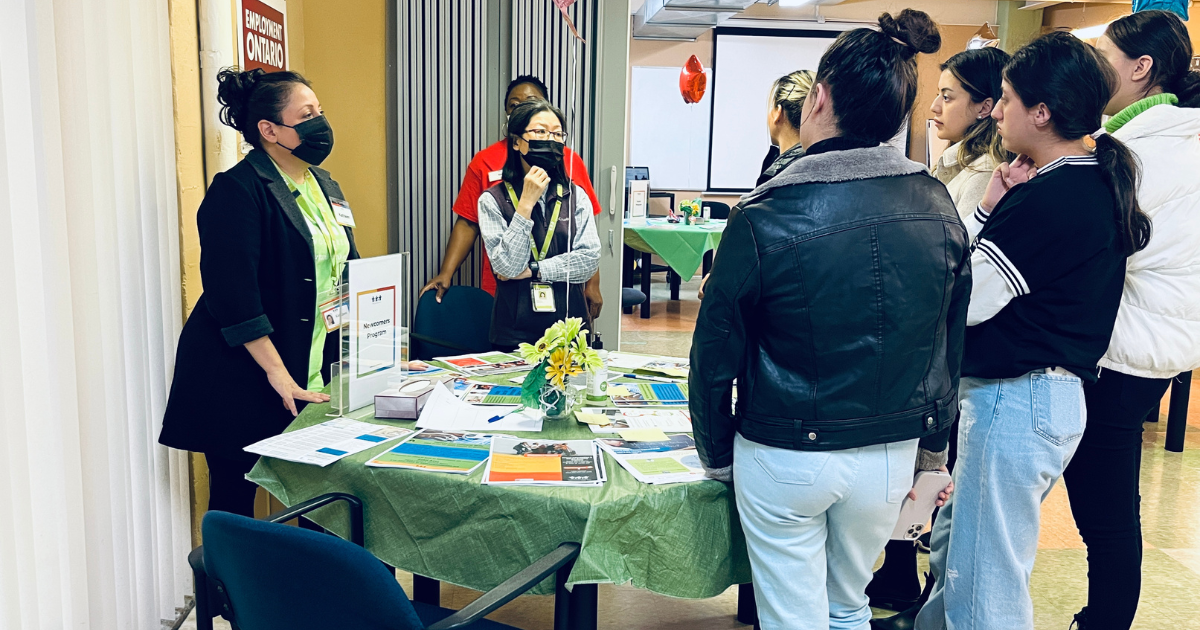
column 681, row 540
column 681, row 246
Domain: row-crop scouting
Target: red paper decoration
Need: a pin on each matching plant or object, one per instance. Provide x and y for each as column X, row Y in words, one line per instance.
column 692, row 81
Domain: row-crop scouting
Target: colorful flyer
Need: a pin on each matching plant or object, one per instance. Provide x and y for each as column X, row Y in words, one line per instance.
column 432, row 450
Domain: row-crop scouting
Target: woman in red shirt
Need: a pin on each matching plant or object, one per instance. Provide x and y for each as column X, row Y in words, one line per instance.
column 484, row 171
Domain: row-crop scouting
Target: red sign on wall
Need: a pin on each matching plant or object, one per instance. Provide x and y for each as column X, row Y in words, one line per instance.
column 262, row 37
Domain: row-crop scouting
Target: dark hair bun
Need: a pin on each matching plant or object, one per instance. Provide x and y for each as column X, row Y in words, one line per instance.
column 913, row 29
column 234, row 89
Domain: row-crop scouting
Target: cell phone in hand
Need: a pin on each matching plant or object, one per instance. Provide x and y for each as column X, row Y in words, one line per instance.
column 915, row 515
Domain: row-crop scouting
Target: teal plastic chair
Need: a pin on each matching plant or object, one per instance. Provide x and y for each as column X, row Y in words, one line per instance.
column 262, row 575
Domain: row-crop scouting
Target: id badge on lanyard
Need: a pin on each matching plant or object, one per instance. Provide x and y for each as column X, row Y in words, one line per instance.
column 542, row 297
column 542, row 293
column 334, row 310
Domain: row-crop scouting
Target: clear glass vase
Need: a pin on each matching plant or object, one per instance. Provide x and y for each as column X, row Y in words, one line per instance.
column 558, row 403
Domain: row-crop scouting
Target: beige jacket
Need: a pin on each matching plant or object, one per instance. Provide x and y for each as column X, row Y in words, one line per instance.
column 966, row 185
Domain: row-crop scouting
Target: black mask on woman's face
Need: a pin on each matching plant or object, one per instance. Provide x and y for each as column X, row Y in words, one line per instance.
column 547, row 154
column 316, row 140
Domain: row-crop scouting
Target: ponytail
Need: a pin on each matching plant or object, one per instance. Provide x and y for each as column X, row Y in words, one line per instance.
column 1187, row 89
column 1121, row 171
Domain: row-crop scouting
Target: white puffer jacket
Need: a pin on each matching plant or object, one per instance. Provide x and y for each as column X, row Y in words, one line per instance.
column 1157, row 334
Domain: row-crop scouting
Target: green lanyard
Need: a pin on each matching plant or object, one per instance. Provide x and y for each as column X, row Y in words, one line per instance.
column 512, row 194
column 323, row 225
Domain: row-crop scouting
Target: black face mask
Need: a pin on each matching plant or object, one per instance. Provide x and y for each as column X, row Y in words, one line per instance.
column 547, row 154
column 316, row 140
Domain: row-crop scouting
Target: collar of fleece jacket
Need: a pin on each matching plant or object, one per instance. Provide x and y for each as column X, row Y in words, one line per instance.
column 841, row 166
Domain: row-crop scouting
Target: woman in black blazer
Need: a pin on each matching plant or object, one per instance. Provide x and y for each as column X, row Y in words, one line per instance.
column 275, row 233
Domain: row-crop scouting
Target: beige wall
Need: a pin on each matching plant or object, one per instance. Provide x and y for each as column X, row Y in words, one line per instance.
column 944, row 11
column 954, row 41
column 189, row 171
column 1084, row 14
column 344, row 55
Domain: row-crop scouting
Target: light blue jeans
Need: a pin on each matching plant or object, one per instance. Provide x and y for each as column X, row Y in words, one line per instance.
column 1015, row 438
column 815, row 523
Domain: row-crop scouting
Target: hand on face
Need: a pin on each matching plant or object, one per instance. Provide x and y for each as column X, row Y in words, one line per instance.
column 1005, row 177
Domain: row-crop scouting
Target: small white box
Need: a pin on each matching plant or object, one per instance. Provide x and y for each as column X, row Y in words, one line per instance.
column 406, row 400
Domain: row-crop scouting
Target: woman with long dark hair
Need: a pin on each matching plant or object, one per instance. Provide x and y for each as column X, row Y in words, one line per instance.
column 1157, row 334
column 830, row 280
column 538, row 230
column 1048, row 270
column 968, row 91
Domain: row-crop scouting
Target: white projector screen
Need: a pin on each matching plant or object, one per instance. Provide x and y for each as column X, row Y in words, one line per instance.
column 746, row 61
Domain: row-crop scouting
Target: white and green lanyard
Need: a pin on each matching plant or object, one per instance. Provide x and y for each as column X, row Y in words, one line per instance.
column 540, row 256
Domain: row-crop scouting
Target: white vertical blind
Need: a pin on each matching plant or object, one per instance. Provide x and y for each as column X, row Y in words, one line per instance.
column 93, row 512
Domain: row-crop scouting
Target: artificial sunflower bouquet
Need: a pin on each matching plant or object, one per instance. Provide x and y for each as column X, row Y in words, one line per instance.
column 561, row 353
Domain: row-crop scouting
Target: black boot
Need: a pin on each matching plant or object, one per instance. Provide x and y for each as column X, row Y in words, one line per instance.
column 1080, row 620
column 907, row 619
column 895, row 585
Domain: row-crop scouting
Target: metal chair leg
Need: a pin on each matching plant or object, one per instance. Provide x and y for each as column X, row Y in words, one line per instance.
column 562, row 598
column 427, row 590
column 584, row 598
column 1181, row 389
column 747, row 609
column 645, row 307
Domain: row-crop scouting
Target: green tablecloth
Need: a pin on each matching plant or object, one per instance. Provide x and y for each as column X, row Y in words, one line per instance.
column 681, row 246
column 681, row 540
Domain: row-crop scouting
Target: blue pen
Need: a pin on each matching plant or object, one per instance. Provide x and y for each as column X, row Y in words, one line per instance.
column 503, row 416
column 650, row 378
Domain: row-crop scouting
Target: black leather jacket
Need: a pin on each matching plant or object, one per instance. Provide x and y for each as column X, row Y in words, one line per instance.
column 838, row 301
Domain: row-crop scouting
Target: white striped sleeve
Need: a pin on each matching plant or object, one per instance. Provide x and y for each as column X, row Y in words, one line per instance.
column 992, row 285
column 1009, row 271
column 976, row 221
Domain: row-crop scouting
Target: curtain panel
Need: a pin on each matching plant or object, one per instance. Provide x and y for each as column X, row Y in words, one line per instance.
column 94, row 526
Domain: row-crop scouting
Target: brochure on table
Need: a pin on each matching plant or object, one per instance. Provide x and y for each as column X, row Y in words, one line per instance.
column 617, row 420
column 523, row 462
column 673, row 461
column 644, row 364
column 433, row 450
column 489, row 394
column 486, row 364
column 326, row 443
column 629, row 393
column 373, row 344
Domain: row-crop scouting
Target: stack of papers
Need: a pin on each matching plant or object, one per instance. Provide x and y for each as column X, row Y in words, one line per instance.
column 486, row 364
column 328, row 442
column 672, row 461
column 619, row 420
column 521, row 462
column 444, row 411
column 438, row 451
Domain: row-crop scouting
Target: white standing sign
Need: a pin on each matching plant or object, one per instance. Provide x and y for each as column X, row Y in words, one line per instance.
column 374, row 355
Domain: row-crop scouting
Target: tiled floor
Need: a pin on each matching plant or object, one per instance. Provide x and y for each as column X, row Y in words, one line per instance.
column 1170, row 519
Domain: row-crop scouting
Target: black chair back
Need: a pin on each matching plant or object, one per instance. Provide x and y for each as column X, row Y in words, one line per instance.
column 716, row 209
column 459, row 325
